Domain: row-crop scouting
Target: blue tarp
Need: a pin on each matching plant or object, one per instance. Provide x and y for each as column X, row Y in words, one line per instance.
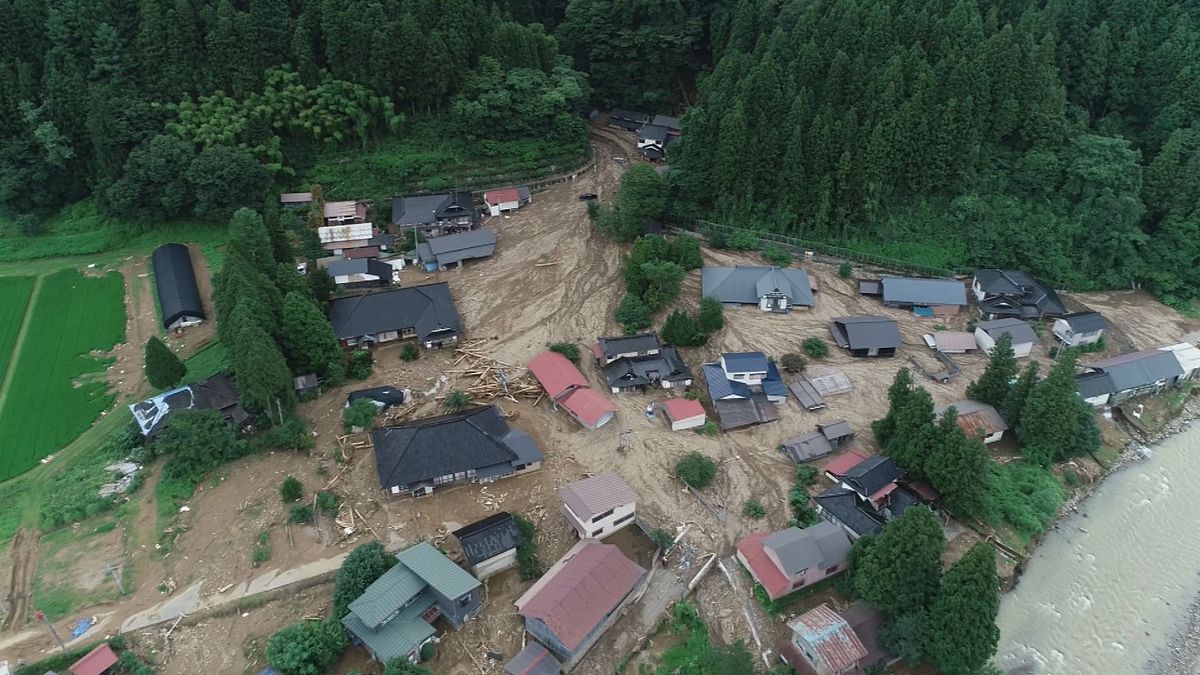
column 81, row 626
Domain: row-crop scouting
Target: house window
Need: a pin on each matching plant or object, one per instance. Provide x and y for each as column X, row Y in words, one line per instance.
column 408, row 332
column 623, row 519
column 602, row 516
column 831, row 569
column 464, row 601
column 598, row 532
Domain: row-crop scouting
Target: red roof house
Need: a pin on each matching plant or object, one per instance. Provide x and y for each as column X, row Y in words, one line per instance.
column 683, row 413
column 96, row 662
column 840, row 465
column 567, row 387
column 506, row 199
column 572, row 604
column 790, row 559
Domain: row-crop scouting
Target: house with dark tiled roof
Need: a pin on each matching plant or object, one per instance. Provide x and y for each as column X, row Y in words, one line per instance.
column 1119, row 378
column 1014, row 294
column 744, row 387
column 451, row 250
column 786, row 561
column 828, row 437
column 638, row 362
column 866, row 335
column 867, row 494
column 433, row 215
column 425, row 313
column 1020, row 332
column 489, row 546
column 926, row 297
column 470, row 446
column 1080, row 328
column 577, row 599
column 395, row 615
column 772, row 289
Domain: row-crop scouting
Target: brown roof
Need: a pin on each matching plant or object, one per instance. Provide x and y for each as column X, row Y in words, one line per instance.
column 950, row 340
column 831, row 636
column 597, row 494
column 976, row 418
column 362, row 252
column 581, row 590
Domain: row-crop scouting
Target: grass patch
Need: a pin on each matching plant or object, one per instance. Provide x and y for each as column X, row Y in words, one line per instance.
column 782, row 605
column 73, row 494
column 63, row 598
column 15, row 292
column 1023, row 498
column 11, row 494
column 47, row 406
column 210, row 360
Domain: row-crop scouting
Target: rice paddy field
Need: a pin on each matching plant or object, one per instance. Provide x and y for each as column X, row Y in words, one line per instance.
column 54, row 388
column 14, row 298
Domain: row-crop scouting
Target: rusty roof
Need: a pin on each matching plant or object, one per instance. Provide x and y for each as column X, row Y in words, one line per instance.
column 975, row 417
column 597, row 494
column 831, row 636
column 582, row 588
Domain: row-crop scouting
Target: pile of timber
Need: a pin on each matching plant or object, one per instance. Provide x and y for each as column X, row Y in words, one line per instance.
column 492, row 378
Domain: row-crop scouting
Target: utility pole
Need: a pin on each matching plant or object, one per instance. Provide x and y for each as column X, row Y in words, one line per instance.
column 41, row 616
column 112, row 570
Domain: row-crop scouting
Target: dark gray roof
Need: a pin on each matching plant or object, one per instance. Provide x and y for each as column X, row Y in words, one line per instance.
column 821, row 545
column 668, row 122
column 746, row 284
column 628, row 115
column 610, row 347
column 873, row 474
column 835, row 429
column 651, row 132
column 1094, row 384
column 428, row 309
column 1020, row 331
column 426, row 209
column 720, row 386
column 451, row 248
column 904, row 291
column 475, row 439
column 387, row 396
column 1138, row 369
column 734, row 413
column 866, row 332
column 810, row 446
column 1015, row 293
column 772, row 384
column 640, row 371
column 383, row 241
column 360, row 266
column 489, row 537
column 807, row 394
column 845, row 507
column 533, row 660
column 901, row 500
column 217, row 393
column 1085, row 322
column 746, row 362
column 175, row 283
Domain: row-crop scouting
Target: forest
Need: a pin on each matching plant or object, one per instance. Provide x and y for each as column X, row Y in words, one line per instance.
column 1054, row 136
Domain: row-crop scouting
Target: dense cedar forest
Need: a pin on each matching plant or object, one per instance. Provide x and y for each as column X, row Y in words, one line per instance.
column 1053, row 135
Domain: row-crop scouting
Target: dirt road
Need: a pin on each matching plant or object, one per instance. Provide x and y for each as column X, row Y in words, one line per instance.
column 24, row 555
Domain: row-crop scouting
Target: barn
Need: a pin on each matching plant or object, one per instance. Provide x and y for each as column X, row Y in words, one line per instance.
column 175, row 280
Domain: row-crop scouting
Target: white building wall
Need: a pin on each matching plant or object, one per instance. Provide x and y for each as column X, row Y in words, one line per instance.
column 599, row 529
column 496, row 564
column 687, row 423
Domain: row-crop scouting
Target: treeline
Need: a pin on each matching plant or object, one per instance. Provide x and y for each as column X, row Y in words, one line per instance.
column 1057, row 137
column 195, row 107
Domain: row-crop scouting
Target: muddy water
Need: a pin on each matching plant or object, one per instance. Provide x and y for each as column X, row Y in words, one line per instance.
column 1112, row 585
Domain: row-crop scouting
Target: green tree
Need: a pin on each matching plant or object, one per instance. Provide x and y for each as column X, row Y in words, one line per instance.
column 223, row 178
column 360, row 414
column 712, row 316
column 681, row 329
column 910, row 442
column 404, row 667
column 163, row 368
column 962, row 632
column 898, row 394
column 815, row 347
column 696, row 470
column 307, row 647
column 1014, row 403
column 901, row 570
column 906, row 636
column 262, row 374
column 361, row 568
column 1055, row 422
column 632, row 313
column 641, row 198
column 685, row 252
column 993, row 386
column 957, row 466
column 320, row 283
column 308, row 340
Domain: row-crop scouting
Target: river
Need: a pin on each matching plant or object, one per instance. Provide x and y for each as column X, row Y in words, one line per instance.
column 1109, row 589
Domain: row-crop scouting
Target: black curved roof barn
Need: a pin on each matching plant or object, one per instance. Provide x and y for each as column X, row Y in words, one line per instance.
column 178, row 295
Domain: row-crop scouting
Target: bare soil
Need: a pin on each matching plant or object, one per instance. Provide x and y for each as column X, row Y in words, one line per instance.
column 23, row 554
column 1140, row 320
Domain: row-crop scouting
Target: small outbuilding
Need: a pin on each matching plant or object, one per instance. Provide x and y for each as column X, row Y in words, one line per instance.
column 684, row 413
column 866, row 335
column 951, row 341
column 1080, row 328
column 977, row 419
column 1022, row 334
column 450, row 250
column 175, row 282
column 507, row 199
column 925, row 297
column 306, row 383
column 96, row 662
column 489, row 546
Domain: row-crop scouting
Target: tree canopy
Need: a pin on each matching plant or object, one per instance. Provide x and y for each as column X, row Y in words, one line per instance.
column 163, row 368
column 962, row 633
column 993, row 386
column 900, row 569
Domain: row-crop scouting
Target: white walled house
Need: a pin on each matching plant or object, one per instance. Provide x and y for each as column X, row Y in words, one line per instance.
column 489, row 546
column 1188, row 356
column 596, row 507
column 1023, row 337
column 507, row 199
column 684, row 413
column 746, row 367
column 1081, row 328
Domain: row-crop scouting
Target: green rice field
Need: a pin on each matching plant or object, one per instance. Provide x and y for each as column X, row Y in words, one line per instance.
column 14, row 297
column 55, row 388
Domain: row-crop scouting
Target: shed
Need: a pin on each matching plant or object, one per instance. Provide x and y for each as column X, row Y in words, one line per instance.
column 807, row 394
column 951, row 341
column 684, row 413
column 305, row 383
column 175, row 282
column 490, row 545
column 1188, row 356
column 1023, row 337
column 977, row 419
column 827, row 643
column 295, row 200
column 943, row 296
column 866, row 335
column 95, row 662
column 828, row 381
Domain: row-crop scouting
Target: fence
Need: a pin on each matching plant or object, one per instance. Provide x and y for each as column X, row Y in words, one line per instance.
column 826, row 252
column 556, row 173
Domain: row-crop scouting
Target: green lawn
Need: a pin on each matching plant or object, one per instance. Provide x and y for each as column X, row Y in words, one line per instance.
column 14, row 296
column 50, row 398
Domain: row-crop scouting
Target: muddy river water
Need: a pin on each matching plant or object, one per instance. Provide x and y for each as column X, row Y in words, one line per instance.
column 1107, row 591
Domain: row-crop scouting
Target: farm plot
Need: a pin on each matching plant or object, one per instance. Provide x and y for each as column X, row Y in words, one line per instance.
column 14, row 296
column 54, row 390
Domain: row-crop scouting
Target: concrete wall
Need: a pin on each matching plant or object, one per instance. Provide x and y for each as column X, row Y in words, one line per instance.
column 495, row 564
column 599, row 529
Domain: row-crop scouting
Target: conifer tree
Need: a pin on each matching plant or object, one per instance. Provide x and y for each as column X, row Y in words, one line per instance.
column 308, row 339
column 992, row 387
column 901, row 569
column 898, row 395
column 163, row 368
column 1055, row 422
column 1014, row 403
column 958, row 466
column 962, row 632
column 909, row 445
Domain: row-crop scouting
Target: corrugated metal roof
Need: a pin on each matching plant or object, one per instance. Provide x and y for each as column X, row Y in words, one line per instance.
column 582, row 588
column 436, row 569
column 1138, row 369
column 678, row 409
column 397, row 638
column 807, row 394
column 95, row 662
column 387, row 594
column 925, row 292
column 1187, row 354
column 556, row 373
column 597, row 494
column 953, row 340
column 975, row 417
column 844, row 462
column 744, row 362
column 295, row 198
column 1020, row 331
column 588, row 407
column 503, row 195
column 353, row 232
column 341, row 209
column 831, row 636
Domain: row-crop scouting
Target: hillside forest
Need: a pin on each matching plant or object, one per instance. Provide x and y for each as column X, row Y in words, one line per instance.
column 1054, row 136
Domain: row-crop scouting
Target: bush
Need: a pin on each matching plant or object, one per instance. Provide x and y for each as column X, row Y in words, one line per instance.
column 692, row 394
column 328, row 502
column 307, row 647
column 806, row 475
column 428, row 652
column 793, row 363
column 712, row 316
column 359, row 414
column 567, row 349
column 815, row 347
column 777, row 256
column 529, row 566
column 1027, row 497
column 708, row 429
column 661, row 538
column 754, row 509
column 741, row 241
column 360, row 364
column 410, row 352
column 301, row 514
column 696, row 470
column 456, row 400
column 293, row 434
column 632, row 314
column 262, row 549
column 845, row 270
column 365, row 564
column 403, row 667
column 682, row 330
column 291, row 489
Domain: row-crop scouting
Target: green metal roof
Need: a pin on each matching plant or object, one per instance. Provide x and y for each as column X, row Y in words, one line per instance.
column 389, row 592
column 398, row 637
column 436, row 569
